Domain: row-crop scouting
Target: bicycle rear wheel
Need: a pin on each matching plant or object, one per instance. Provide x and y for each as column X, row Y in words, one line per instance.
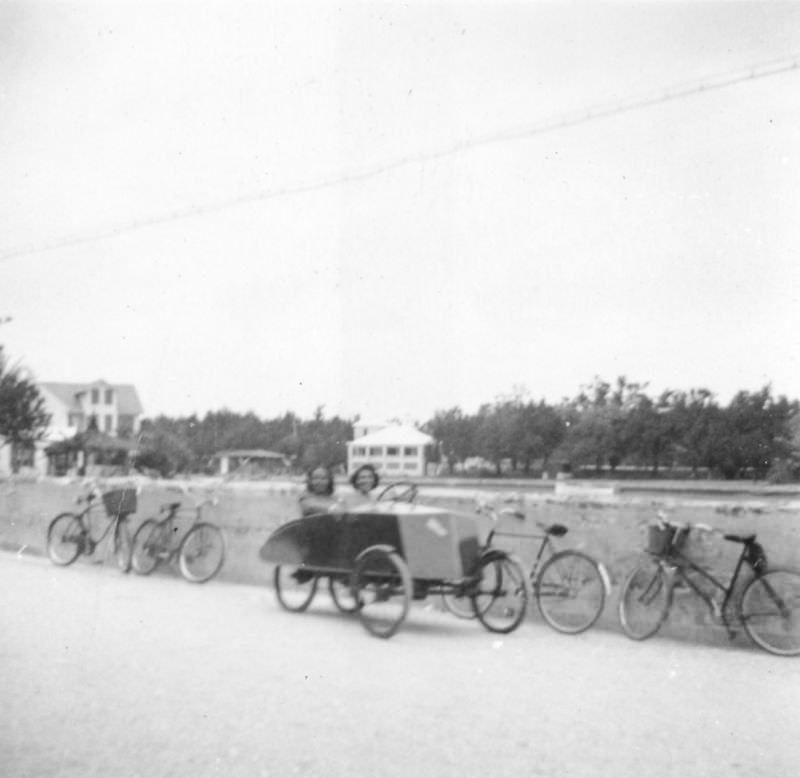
column 65, row 539
column 202, row 553
column 123, row 545
column 148, row 546
column 570, row 592
column 644, row 600
column 770, row 612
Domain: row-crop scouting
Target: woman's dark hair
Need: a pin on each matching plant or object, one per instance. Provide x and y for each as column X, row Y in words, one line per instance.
column 313, row 488
column 368, row 469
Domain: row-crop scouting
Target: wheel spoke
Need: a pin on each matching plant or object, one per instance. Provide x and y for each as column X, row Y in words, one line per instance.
column 644, row 600
column 570, row 592
column 770, row 611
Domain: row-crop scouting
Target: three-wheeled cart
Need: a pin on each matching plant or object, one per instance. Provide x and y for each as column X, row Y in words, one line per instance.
column 377, row 558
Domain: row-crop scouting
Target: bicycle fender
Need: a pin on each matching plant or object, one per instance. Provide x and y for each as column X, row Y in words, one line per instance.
column 493, row 554
column 387, row 549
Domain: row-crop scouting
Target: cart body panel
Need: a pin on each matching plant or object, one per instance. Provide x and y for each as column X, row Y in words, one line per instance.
column 436, row 544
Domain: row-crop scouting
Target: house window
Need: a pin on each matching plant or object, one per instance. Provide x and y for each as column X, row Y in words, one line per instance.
column 109, row 422
column 95, row 396
column 359, row 451
column 375, row 451
column 410, row 466
column 109, row 396
column 410, row 451
column 392, row 451
column 393, row 465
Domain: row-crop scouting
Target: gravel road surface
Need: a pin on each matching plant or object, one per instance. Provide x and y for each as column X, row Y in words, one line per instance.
column 114, row 675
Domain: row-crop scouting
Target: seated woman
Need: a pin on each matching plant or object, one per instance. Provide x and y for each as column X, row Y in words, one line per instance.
column 319, row 494
column 364, row 481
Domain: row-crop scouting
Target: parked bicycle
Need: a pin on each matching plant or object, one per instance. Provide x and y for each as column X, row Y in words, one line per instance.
column 70, row 534
column 200, row 552
column 768, row 608
column 569, row 586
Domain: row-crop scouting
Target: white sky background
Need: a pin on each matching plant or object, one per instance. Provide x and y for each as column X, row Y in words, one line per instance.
column 661, row 243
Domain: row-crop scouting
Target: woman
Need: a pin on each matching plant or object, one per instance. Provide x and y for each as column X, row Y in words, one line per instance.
column 319, row 494
column 364, row 480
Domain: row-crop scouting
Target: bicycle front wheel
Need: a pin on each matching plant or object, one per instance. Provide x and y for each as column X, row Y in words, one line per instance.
column 147, row 547
column 202, row 553
column 770, row 611
column 644, row 600
column 65, row 539
column 570, row 592
column 123, row 545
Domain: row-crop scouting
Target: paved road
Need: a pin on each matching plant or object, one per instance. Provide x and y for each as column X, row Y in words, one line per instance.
column 117, row 676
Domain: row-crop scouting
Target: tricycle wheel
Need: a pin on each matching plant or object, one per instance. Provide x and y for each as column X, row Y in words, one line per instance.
column 342, row 595
column 295, row 587
column 382, row 585
column 501, row 596
column 459, row 604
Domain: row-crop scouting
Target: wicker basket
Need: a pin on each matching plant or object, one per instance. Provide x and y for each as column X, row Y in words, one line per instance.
column 664, row 539
column 120, row 502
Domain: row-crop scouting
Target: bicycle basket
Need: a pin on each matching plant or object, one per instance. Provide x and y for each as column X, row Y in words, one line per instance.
column 120, row 502
column 663, row 539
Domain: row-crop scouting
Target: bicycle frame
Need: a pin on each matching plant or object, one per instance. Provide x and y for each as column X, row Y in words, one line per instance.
column 84, row 519
column 546, row 543
column 681, row 566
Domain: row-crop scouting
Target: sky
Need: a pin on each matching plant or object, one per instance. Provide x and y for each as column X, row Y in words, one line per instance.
column 389, row 209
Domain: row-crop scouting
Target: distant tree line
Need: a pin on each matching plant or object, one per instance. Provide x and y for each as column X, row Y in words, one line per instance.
column 188, row 444
column 608, row 427
column 605, row 429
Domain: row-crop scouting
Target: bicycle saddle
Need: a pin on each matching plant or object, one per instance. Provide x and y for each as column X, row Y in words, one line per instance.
column 556, row 530
column 170, row 506
column 740, row 538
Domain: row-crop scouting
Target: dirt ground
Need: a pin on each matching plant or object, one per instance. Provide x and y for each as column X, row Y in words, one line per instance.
column 119, row 676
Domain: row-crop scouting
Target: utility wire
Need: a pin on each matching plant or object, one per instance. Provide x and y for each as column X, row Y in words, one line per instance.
column 680, row 91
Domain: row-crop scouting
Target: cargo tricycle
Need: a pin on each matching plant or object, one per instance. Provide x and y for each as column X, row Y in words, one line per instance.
column 378, row 557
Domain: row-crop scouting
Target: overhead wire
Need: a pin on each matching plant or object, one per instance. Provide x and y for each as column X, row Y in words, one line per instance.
column 571, row 119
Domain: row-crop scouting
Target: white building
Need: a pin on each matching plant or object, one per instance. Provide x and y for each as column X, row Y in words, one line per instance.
column 396, row 451
column 115, row 408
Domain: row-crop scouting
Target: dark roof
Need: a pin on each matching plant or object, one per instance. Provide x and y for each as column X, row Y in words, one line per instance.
column 127, row 398
column 92, row 441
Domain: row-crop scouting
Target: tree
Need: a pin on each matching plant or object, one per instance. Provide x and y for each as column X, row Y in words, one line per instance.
column 23, row 419
column 454, row 433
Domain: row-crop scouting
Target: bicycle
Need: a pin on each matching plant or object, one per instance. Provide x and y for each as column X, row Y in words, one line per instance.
column 200, row 553
column 70, row 534
column 766, row 609
column 569, row 586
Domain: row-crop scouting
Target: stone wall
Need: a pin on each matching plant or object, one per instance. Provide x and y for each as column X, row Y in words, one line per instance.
column 609, row 526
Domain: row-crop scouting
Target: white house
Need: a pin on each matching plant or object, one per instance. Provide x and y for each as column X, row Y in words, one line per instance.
column 396, row 451
column 115, row 407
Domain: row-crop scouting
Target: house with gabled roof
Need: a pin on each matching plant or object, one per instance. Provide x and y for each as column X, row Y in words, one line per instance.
column 115, row 408
column 396, row 451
